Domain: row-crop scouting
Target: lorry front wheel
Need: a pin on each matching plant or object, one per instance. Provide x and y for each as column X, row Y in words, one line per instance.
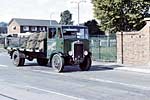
column 57, row 63
column 42, row 61
column 86, row 64
column 18, row 58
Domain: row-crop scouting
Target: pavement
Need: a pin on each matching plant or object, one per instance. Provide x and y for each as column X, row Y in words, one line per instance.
column 133, row 68
column 2, row 50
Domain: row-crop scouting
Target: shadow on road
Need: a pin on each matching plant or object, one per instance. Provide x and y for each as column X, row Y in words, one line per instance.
column 68, row 69
column 93, row 68
column 104, row 67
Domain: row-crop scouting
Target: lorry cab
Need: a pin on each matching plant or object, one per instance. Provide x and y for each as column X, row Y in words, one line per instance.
column 68, row 45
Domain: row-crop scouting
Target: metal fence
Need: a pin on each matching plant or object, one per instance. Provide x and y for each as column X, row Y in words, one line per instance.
column 103, row 48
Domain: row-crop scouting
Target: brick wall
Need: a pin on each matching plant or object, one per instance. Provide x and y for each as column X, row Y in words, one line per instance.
column 13, row 27
column 134, row 47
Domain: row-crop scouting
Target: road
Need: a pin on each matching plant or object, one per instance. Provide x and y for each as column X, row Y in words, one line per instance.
column 33, row 82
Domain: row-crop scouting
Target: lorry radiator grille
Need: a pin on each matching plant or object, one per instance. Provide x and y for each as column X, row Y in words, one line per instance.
column 78, row 51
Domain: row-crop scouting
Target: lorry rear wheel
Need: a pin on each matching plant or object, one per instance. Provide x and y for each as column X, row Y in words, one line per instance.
column 57, row 63
column 18, row 58
column 42, row 61
column 86, row 64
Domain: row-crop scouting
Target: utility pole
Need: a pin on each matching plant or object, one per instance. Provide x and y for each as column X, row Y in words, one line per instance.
column 78, row 3
column 50, row 21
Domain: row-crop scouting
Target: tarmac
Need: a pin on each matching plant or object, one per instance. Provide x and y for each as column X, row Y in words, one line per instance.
column 133, row 68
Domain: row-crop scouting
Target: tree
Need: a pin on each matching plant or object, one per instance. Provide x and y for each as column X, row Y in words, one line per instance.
column 66, row 18
column 3, row 27
column 121, row 15
column 3, row 24
column 93, row 27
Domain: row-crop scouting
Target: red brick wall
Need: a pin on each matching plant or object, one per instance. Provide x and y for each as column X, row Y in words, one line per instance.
column 134, row 47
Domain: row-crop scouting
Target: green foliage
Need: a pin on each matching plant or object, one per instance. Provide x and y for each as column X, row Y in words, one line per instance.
column 93, row 27
column 121, row 15
column 66, row 18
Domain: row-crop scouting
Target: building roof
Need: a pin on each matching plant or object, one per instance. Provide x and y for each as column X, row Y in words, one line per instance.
column 34, row 22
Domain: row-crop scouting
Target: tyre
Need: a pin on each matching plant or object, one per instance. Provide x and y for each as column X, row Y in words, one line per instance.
column 18, row 59
column 42, row 61
column 57, row 63
column 86, row 64
column 30, row 58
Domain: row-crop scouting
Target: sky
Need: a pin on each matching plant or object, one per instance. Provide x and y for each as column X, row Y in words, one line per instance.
column 44, row 9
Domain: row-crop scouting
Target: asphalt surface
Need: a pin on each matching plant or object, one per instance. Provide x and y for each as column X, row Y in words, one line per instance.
column 34, row 82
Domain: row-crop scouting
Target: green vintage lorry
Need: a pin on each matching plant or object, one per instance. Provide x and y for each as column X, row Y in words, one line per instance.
column 62, row 45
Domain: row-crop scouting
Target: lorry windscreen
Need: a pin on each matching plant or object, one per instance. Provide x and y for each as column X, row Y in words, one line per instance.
column 75, row 32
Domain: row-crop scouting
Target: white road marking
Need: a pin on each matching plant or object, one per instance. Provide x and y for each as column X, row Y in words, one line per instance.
column 101, row 80
column 48, row 91
column 48, row 72
column 57, row 93
column 120, row 83
column 3, row 66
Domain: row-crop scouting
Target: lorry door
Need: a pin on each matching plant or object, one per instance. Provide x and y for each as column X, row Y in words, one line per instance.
column 59, row 40
column 51, row 41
